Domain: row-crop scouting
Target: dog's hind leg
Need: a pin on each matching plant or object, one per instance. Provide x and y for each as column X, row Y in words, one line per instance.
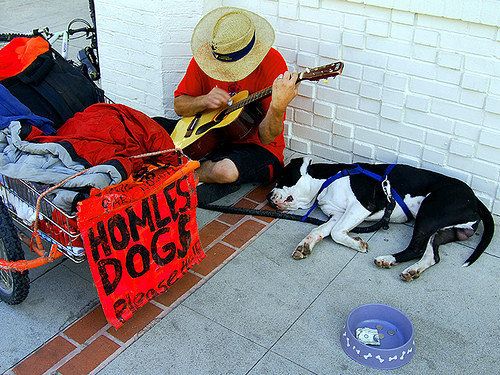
column 422, row 232
column 433, row 230
column 387, row 261
column 414, row 250
column 431, row 254
column 305, row 246
column 427, row 260
column 354, row 215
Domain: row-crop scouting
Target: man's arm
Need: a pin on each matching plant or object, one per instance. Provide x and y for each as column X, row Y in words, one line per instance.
column 185, row 105
column 284, row 90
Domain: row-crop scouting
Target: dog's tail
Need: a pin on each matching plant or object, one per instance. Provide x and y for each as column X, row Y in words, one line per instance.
column 489, row 229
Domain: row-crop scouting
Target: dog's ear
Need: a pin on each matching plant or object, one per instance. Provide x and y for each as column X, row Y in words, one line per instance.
column 307, row 161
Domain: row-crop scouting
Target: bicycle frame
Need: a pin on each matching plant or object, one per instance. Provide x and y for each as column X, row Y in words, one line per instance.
column 65, row 42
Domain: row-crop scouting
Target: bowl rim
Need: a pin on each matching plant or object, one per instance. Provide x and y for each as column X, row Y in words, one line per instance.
column 410, row 340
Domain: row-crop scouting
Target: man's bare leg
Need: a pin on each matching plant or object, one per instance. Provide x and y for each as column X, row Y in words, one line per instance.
column 220, row 172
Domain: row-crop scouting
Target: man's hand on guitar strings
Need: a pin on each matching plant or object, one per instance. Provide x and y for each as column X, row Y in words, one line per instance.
column 216, row 98
column 284, row 90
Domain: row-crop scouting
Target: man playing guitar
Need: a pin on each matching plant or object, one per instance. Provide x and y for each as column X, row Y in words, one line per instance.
column 232, row 52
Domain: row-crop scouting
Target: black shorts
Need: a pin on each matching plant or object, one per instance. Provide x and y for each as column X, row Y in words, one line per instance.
column 254, row 163
column 166, row 123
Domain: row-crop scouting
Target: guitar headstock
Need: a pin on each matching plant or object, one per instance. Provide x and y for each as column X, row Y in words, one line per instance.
column 322, row 72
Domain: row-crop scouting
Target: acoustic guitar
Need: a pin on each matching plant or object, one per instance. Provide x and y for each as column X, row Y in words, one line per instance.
column 200, row 134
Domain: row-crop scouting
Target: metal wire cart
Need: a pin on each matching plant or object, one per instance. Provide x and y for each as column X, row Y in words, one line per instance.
column 19, row 201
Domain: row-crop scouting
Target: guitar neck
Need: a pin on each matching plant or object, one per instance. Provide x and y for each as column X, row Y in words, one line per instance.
column 254, row 97
column 251, row 98
column 314, row 74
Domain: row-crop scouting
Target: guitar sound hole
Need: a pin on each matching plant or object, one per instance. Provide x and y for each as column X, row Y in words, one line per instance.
column 205, row 127
column 220, row 116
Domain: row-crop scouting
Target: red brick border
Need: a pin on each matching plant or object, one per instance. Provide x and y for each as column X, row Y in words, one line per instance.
column 90, row 342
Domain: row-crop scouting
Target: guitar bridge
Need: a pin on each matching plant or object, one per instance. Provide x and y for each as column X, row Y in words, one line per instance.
column 192, row 125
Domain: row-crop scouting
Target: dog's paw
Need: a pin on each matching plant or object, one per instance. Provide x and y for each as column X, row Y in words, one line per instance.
column 301, row 252
column 385, row 261
column 363, row 245
column 409, row 274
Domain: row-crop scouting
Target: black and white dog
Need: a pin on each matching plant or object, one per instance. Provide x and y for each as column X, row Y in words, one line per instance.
column 445, row 209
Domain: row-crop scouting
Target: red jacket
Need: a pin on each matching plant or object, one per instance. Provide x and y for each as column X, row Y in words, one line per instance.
column 108, row 134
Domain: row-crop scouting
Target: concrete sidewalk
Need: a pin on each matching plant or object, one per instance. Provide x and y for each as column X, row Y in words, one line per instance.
column 249, row 308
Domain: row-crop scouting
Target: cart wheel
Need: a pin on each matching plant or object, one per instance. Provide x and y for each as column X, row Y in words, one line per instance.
column 14, row 286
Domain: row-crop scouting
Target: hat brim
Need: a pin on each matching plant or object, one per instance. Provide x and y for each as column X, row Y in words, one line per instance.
column 201, row 46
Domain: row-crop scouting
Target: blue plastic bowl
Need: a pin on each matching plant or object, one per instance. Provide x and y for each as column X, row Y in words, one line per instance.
column 397, row 346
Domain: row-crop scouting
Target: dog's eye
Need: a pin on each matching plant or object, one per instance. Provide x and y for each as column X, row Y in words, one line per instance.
column 289, row 199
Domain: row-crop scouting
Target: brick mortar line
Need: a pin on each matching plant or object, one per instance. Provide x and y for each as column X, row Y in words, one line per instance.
column 108, row 360
column 78, row 347
column 66, row 337
column 165, row 311
column 95, row 335
column 194, row 273
column 160, row 305
column 104, row 333
column 235, row 224
column 252, row 200
column 237, row 250
column 65, row 359
column 112, row 338
column 223, row 234
column 233, row 227
column 223, row 263
column 262, row 221
column 91, row 338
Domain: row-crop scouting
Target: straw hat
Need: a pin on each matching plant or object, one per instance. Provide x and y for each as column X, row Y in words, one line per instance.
column 229, row 43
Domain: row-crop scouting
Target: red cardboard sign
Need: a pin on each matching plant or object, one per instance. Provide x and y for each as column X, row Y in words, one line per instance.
column 140, row 237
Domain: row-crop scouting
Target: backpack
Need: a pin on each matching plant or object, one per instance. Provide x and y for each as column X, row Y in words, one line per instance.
column 52, row 87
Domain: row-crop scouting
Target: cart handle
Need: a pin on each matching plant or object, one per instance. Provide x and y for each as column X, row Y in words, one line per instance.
column 24, row 265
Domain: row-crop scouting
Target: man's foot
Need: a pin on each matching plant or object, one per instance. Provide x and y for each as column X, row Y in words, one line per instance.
column 208, row 193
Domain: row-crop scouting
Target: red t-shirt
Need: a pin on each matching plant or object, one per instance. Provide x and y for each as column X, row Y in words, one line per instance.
column 196, row 83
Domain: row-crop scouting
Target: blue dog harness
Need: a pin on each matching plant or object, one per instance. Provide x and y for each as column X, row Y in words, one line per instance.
column 388, row 190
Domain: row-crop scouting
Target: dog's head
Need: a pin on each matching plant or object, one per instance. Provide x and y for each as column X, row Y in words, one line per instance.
column 295, row 188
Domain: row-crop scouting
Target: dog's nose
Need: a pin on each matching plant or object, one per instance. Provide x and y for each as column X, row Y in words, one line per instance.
column 269, row 198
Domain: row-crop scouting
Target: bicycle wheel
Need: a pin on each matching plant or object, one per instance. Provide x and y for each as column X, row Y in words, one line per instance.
column 14, row 286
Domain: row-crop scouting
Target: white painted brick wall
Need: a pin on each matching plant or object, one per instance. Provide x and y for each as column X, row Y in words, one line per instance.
column 421, row 83
column 144, row 48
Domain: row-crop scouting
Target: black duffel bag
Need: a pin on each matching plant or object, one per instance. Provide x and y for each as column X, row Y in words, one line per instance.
column 54, row 88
